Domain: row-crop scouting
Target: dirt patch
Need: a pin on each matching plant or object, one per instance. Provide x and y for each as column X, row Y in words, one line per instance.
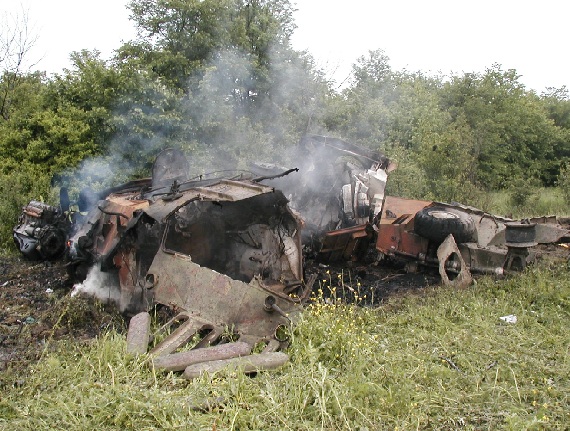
column 368, row 284
column 37, row 310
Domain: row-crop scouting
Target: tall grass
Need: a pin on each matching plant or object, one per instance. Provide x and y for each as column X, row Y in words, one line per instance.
column 538, row 202
column 534, row 202
column 442, row 359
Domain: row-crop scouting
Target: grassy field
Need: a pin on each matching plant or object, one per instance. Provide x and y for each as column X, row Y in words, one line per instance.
column 441, row 359
column 526, row 203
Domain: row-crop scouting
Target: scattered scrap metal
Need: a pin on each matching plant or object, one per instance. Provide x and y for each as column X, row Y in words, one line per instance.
column 236, row 355
column 226, row 254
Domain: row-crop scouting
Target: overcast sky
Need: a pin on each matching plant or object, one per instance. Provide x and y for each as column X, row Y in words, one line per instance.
column 435, row 36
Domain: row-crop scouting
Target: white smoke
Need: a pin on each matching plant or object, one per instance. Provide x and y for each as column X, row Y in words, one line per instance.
column 100, row 285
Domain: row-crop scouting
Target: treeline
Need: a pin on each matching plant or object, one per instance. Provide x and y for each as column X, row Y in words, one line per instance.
column 456, row 136
column 220, row 80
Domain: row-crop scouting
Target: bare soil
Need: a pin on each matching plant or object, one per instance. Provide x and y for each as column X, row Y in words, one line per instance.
column 36, row 310
column 368, row 283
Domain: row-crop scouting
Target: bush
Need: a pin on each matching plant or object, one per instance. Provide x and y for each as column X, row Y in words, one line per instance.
column 564, row 182
column 521, row 192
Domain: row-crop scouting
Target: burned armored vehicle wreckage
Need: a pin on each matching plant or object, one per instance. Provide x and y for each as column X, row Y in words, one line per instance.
column 225, row 254
column 42, row 231
column 456, row 239
column 348, row 216
column 461, row 240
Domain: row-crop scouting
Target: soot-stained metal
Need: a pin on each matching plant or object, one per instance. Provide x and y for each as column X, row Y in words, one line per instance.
column 342, row 196
column 224, row 254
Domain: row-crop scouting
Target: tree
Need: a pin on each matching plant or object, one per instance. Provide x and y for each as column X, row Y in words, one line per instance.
column 16, row 40
column 179, row 39
column 514, row 138
column 557, row 101
column 362, row 112
column 372, row 69
column 244, row 89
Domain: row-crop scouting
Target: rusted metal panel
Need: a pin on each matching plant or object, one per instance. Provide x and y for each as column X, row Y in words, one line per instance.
column 219, row 300
column 223, row 190
column 396, row 207
column 345, row 244
column 117, row 211
column 396, row 239
column 395, row 229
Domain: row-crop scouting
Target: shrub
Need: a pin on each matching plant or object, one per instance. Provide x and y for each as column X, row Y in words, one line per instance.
column 564, row 182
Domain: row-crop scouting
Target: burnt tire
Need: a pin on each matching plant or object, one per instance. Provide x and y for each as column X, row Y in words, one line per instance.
column 436, row 223
column 78, row 271
column 52, row 243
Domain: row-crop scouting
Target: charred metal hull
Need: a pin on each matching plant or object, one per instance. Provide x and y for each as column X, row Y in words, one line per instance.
column 226, row 254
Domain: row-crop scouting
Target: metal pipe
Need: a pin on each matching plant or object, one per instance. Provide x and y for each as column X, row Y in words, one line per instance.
column 245, row 364
column 181, row 360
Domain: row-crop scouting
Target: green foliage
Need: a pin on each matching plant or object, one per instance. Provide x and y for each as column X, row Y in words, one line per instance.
column 467, row 135
column 19, row 93
column 363, row 112
column 409, row 179
column 521, row 191
column 539, row 202
column 513, row 135
column 180, row 38
column 557, row 101
column 241, row 90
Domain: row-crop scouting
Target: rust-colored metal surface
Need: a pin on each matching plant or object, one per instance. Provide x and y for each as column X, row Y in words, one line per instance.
column 396, row 228
column 396, row 239
column 345, row 244
column 225, row 254
column 395, row 207
column 219, row 300
column 115, row 214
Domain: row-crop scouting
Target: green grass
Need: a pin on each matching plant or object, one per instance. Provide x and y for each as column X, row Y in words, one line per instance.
column 539, row 202
column 442, row 359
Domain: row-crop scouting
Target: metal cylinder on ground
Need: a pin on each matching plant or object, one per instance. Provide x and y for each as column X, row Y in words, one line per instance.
column 246, row 364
